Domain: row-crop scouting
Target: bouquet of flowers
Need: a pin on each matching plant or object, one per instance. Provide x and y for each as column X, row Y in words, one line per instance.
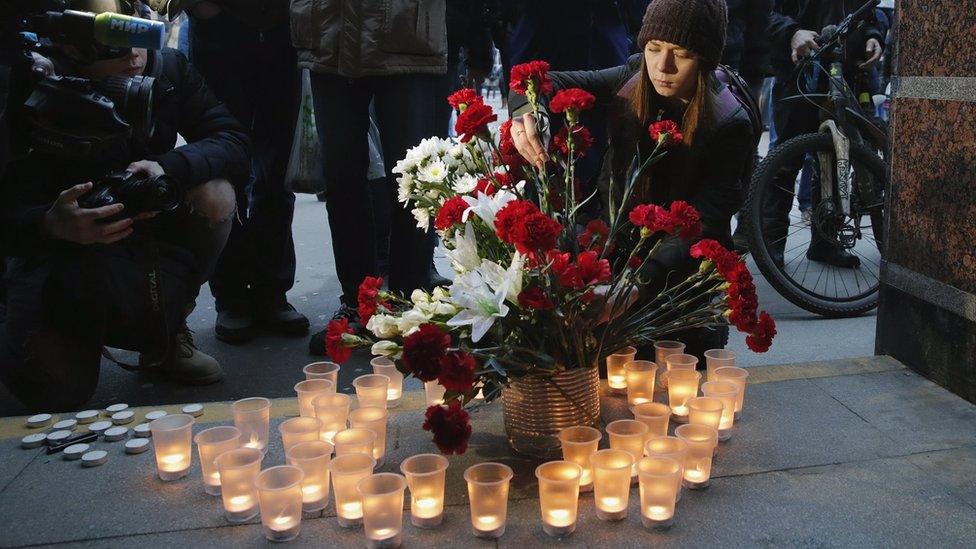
column 535, row 293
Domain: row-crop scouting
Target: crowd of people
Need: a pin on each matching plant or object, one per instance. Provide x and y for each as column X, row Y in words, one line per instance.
column 76, row 283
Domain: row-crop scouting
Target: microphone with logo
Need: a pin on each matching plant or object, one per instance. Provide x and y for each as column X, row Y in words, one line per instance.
column 109, row 29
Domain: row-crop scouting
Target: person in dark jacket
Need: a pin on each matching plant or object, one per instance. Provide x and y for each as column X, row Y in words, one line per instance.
column 793, row 30
column 747, row 42
column 672, row 79
column 76, row 280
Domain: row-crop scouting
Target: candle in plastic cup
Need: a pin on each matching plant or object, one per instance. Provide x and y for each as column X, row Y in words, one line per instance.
column 662, row 350
column 371, row 390
column 331, row 411
column 488, row 498
column 323, row 370
column 679, row 361
column 382, row 495
column 701, row 441
column 705, row 410
column 238, row 469
column 660, row 481
column 578, row 443
column 308, row 391
column 211, row 443
column 718, row 358
column 425, row 474
column 394, row 393
column 682, row 385
column 280, row 495
column 299, row 429
column 640, row 381
column 628, row 435
column 616, row 375
column 669, row 447
column 558, row 496
column 347, row 471
column 354, row 441
column 655, row 415
column 253, row 416
column 313, row 458
column 434, row 393
column 374, row 419
column 737, row 376
column 611, row 483
column 172, row 436
column 726, row 392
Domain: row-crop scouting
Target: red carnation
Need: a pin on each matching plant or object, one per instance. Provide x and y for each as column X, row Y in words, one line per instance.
column 762, row 336
column 474, row 121
column 338, row 352
column 592, row 269
column 723, row 259
column 535, row 298
column 369, row 290
column 574, row 99
column 457, row 372
column 484, row 185
column 532, row 71
column 503, row 179
column 463, row 98
column 510, row 216
column 686, row 218
column 566, row 273
column 651, row 218
column 594, row 235
column 423, row 351
column 582, row 140
column 450, row 426
column 535, row 232
column 665, row 132
column 450, row 213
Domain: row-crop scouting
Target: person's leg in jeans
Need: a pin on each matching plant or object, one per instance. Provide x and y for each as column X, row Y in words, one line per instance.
column 406, row 112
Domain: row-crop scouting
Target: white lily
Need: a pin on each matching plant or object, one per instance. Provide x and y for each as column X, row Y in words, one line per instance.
column 487, row 207
column 464, row 257
column 480, row 306
column 498, row 277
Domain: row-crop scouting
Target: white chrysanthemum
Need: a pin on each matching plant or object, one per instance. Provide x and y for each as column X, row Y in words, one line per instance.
column 404, row 187
column 384, row 326
column 465, row 184
column 423, row 218
column 432, row 172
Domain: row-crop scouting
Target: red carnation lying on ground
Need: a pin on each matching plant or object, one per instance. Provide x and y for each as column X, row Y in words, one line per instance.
column 450, row 427
column 457, row 372
column 463, row 98
column 582, row 140
column 575, row 99
column 369, row 290
column 423, row 351
column 474, row 121
column 450, row 213
column 665, row 132
column 338, row 352
column 532, row 71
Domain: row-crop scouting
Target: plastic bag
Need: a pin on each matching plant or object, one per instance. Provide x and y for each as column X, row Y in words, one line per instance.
column 304, row 174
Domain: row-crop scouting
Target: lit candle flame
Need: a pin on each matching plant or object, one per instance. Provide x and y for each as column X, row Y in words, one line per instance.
column 611, row 504
column 488, row 521
column 383, row 533
column 658, row 512
column 617, row 382
column 426, row 503
column 311, row 491
column 239, row 503
column 254, row 442
column 352, row 509
column 559, row 517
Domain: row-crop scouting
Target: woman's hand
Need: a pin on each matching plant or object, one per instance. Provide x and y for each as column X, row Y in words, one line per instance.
column 528, row 140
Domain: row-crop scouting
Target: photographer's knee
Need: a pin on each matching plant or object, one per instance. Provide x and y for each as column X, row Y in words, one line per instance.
column 214, row 200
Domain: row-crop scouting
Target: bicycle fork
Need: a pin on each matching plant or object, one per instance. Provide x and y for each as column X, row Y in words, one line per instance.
column 842, row 153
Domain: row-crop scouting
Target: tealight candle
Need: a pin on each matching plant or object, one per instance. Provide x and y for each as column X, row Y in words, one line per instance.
column 371, row 390
column 374, row 419
column 640, row 382
column 172, row 440
column 558, row 496
column 331, row 411
column 705, row 410
column 611, row 483
column 323, row 370
column 211, row 443
column 701, row 441
column 347, row 471
column 238, row 469
column 669, row 447
column 655, row 415
column 354, row 441
column 660, row 479
column 382, row 495
column 434, row 393
column 313, row 458
column 426, row 475
column 718, row 358
column 628, row 435
column 662, row 350
column 488, row 497
column 252, row 416
column 726, row 392
column 385, row 366
column 736, row 376
column 308, row 391
column 616, row 375
column 280, row 497
column 682, row 385
column 299, row 429
column 578, row 443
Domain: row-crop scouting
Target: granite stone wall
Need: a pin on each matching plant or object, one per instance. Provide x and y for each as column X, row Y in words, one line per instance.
column 927, row 315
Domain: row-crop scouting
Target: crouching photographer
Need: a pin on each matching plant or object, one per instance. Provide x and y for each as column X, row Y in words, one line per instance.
column 111, row 238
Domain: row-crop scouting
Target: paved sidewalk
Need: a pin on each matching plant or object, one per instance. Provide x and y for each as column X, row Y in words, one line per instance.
column 853, row 453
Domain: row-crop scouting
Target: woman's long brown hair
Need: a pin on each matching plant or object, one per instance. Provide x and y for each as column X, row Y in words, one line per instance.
column 645, row 103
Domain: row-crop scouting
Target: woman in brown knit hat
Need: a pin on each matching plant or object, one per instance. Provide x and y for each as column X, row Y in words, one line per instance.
column 673, row 79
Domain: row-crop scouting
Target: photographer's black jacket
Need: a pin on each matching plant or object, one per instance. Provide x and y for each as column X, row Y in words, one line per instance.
column 217, row 147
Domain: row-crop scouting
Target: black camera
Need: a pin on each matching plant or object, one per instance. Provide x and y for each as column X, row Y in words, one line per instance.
column 139, row 194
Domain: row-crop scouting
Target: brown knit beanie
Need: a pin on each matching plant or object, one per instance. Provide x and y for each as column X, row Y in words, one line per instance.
column 698, row 25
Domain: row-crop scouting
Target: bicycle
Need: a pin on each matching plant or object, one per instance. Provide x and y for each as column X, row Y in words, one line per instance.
column 848, row 155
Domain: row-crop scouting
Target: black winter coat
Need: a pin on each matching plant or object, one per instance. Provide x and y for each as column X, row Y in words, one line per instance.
column 747, row 42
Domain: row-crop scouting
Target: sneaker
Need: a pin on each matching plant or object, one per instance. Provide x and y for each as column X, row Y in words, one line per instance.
column 235, row 325
column 316, row 344
column 832, row 255
column 188, row 365
column 282, row 318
